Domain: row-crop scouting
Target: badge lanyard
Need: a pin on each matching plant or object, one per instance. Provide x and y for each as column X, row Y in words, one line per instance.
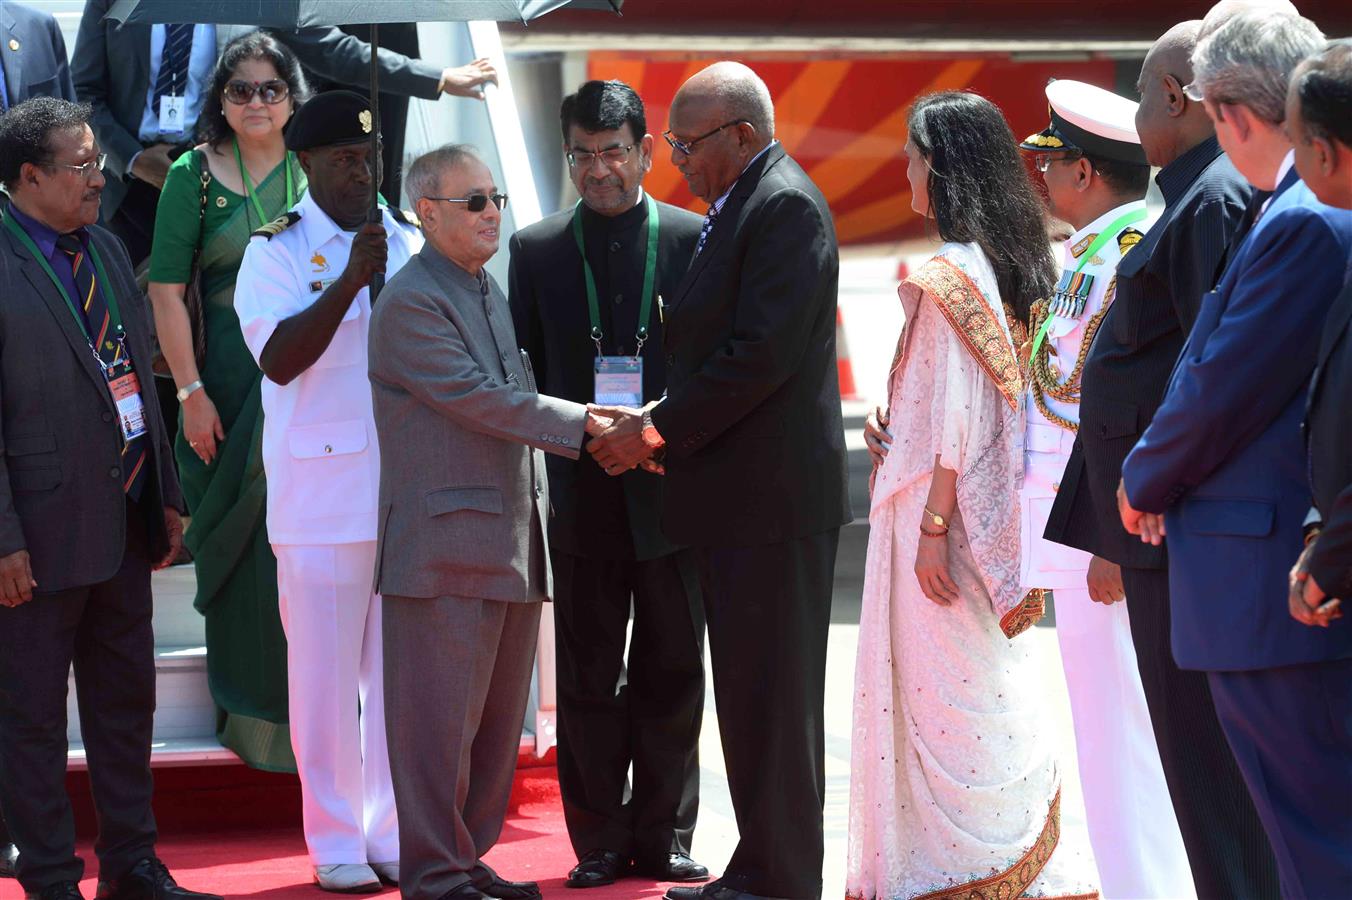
column 1114, row 228
column 649, row 275
column 249, row 188
column 114, row 314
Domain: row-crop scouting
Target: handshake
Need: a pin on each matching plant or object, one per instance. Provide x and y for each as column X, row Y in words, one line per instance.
column 621, row 440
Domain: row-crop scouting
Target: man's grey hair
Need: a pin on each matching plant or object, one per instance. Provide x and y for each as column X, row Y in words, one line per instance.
column 424, row 175
column 746, row 98
column 1248, row 61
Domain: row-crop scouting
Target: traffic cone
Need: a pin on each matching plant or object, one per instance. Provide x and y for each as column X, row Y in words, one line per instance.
column 844, row 369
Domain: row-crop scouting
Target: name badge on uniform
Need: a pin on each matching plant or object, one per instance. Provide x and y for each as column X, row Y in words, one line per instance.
column 619, row 381
column 131, row 411
column 172, row 111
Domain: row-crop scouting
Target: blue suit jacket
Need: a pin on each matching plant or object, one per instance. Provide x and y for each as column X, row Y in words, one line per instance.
column 1224, row 456
column 38, row 68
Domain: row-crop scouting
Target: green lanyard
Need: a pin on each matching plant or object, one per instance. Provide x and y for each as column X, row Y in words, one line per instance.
column 114, row 314
column 1112, row 231
column 249, row 189
column 649, row 275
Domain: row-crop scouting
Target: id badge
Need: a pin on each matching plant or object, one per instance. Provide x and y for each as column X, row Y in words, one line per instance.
column 131, row 412
column 172, row 110
column 619, row 381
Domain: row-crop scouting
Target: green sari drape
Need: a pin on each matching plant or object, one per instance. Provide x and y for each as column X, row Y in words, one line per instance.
column 228, row 538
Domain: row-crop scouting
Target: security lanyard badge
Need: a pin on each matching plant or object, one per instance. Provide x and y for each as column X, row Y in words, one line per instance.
column 619, row 379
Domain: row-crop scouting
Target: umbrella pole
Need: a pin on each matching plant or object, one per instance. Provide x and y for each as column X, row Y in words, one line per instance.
column 377, row 278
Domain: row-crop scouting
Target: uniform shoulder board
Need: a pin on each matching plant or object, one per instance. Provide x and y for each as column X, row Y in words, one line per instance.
column 277, row 225
column 1128, row 239
column 405, row 216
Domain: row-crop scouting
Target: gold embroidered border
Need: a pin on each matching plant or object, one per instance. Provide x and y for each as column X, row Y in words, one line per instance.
column 1028, row 613
column 1015, row 881
column 972, row 318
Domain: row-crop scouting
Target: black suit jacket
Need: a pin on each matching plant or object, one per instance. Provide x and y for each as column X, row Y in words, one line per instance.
column 596, row 515
column 1160, row 285
column 755, row 443
column 38, row 67
column 61, row 492
column 1328, row 429
column 111, row 71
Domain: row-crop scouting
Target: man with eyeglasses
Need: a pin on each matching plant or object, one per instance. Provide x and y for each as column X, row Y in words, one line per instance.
column 585, row 288
column 463, row 563
column 1159, row 290
column 89, row 505
column 304, row 308
column 755, row 465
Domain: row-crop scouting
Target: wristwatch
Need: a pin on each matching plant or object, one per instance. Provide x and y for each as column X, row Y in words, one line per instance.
column 188, row 390
column 650, row 435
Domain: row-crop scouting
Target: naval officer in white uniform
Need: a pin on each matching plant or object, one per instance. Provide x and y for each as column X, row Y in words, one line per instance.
column 304, row 308
column 1096, row 176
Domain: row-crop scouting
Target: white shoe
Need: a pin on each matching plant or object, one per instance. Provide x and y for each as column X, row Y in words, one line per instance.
column 388, row 871
column 347, row 878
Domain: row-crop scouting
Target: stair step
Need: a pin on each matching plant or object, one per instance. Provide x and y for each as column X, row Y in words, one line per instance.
column 184, row 751
column 183, row 704
column 176, row 622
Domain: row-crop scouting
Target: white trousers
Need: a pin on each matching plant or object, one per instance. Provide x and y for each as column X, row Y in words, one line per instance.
column 1131, row 820
column 337, row 700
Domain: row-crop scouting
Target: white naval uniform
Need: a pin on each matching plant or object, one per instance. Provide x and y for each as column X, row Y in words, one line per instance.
column 1131, row 821
column 323, row 472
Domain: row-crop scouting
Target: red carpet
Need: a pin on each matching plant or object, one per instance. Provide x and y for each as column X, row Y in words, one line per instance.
column 270, row 862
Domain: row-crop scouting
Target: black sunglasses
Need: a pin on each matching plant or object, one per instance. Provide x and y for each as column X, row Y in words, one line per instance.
column 241, row 92
column 476, row 202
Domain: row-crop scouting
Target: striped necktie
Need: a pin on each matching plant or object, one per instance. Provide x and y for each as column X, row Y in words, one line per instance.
column 91, row 302
column 707, row 227
column 173, row 74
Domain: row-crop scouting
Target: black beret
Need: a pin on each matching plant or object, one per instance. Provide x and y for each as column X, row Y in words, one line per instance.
column 329, row 119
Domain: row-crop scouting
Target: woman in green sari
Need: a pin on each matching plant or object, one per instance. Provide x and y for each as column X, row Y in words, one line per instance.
column 248, row 179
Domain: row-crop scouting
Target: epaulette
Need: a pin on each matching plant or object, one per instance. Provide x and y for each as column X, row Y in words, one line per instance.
column 405, row 216
column 1128, row 239
column 277, row 225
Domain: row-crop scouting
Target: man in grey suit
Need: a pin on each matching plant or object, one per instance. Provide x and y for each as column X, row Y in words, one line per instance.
column 461, row 560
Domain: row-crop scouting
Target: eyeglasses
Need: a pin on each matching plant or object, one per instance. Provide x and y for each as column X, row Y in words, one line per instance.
column 1043, row 161
column 242, row 92
column 1193, row 91
column 85, row 170
column 688, row 147
column 476, row 202
column 611, row 156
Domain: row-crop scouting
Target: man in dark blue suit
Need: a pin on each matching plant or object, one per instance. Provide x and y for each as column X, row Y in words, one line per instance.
column 1221, row 470
column 32, row 56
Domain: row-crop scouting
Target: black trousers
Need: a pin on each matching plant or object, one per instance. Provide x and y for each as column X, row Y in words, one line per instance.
column 105, row 630
column 769, row 611
column 1228, row 851
column 646, row 712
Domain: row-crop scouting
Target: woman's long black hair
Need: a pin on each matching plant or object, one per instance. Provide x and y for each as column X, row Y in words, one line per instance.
column 212, row 128
column 980, row 192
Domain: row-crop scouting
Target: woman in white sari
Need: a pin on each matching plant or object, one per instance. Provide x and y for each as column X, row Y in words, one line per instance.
column 954, row 792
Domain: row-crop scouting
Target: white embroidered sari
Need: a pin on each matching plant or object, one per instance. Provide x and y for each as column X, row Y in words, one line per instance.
column 953, row 792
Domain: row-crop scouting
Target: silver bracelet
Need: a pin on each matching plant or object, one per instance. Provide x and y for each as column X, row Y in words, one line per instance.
column 188, row 390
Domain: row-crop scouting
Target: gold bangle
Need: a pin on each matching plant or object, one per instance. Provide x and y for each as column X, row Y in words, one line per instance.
column 934, row 534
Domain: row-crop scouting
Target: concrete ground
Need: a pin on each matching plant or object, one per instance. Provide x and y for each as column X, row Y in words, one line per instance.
column 872, row 321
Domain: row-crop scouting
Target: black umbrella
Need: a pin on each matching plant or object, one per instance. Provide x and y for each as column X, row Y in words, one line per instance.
column 290, row 14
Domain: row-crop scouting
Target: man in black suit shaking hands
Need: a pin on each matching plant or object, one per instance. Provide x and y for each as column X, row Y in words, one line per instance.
column 751, row 439
column 584, row 287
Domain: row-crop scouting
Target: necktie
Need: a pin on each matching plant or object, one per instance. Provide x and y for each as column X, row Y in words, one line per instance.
column 706, row 228
column 173, row 75
column 91, row 302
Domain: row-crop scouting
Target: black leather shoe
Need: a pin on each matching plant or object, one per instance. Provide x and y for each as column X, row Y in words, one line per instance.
column 711, row 891
column 62, row 890
column 501, row 889
column 466, row 891
column 9, row 860
column 148, row 880
column 676, row 867
column 597, row 868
